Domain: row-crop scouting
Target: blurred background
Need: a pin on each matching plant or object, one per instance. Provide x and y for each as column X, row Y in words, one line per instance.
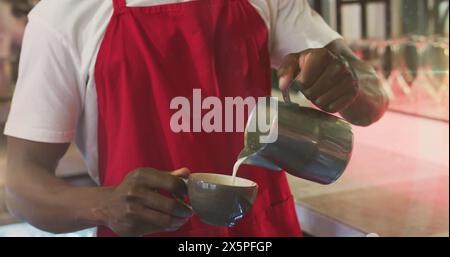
column 397, row 182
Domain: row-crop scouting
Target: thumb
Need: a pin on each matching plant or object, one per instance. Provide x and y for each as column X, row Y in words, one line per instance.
column 288, row 70
column 182, row 173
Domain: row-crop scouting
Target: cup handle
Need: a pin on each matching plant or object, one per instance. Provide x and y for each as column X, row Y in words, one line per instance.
column 286, row 96
column 185, row 180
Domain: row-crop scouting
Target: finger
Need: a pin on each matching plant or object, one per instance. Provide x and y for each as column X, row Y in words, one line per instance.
column 165, row 181
column 136, row 229
column 345, row 87
column 287, row 71
column 164, row 221
column 146, row 220
column 328, row 79
column 312, row 64
column 166, row 205
column 341, row 104
column 323, row 84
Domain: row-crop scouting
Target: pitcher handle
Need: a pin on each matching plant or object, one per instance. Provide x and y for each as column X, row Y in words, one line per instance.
column 286, row 94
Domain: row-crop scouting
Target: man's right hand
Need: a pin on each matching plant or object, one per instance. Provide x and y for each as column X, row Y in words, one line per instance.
column 136, row 207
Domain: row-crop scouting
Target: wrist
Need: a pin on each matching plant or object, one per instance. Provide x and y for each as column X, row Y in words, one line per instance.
column 94, row 211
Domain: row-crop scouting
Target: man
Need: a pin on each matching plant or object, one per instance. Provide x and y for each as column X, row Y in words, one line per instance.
column 104, row 73
column 13, row 18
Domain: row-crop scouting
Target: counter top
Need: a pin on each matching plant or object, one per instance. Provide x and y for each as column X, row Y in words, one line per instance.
column 397, row 183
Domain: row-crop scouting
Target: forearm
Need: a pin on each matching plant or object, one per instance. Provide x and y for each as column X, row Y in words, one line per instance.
column 34, row 195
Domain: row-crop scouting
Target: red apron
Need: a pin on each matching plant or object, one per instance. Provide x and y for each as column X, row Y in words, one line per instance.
column 151, row 55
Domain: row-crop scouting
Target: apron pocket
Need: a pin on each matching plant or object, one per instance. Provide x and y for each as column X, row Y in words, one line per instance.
column 281, row 220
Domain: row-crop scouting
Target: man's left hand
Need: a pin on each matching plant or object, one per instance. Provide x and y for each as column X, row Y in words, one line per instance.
column 325, row 79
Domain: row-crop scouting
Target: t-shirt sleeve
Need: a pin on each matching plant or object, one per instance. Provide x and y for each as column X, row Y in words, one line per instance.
column 297, row 27
column 48, row 98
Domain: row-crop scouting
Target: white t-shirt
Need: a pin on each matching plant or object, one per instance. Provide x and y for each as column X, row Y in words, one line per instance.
column 55, row 99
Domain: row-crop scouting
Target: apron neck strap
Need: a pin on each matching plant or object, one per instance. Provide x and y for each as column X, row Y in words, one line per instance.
column 119, row 5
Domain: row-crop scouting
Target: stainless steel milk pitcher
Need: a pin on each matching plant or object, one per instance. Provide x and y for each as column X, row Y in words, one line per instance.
column 311, row 144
